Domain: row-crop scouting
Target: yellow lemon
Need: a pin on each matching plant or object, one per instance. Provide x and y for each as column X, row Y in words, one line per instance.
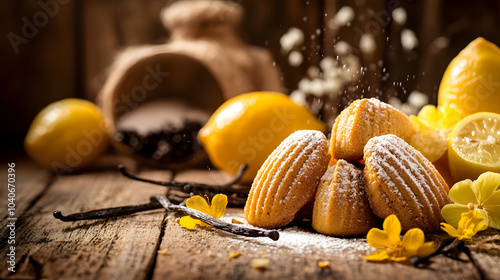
column 66, row 135
column 474, row 146
column 248, row 127
column 471, row 83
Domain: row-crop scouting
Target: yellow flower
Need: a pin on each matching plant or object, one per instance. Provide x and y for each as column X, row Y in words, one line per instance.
column 432, row 118
column 390, row 245
column 433, row 126
column 482, row 194
column 215, row 209
column 470, row 223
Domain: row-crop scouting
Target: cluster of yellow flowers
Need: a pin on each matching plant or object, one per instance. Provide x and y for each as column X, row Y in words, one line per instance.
column 476, row 207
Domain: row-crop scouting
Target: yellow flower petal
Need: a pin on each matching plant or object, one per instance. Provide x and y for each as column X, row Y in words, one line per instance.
column 412, row 240
column 493, row 216
column 452, row 213
column 450, row 116
column 188, row 222
column 378, row 239
column 218, row 207
column 453, row 232
column 393, row 228
column 426, row 249
column 429, row 115
column 441, row 118
column 463, row 193
column 379, row 255
column 470, row 223
column 476, row 220
column 485, row 216
column 493, row 200
column 486, row 184
column 419, row 123
column 199, row 203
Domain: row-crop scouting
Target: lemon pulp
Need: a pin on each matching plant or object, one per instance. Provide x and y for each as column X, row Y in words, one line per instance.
column 474, row 146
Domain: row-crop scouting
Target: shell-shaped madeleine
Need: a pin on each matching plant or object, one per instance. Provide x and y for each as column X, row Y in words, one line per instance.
column 341, row 207
column 288, row 179
column 401, row 181
column 362, row 120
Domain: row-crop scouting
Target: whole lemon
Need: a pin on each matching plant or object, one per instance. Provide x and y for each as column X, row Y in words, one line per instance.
column 471, row 83
column 248, row 127
column 66, row 135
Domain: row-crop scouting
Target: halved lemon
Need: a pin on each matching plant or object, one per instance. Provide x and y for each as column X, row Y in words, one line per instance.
column 474, row 146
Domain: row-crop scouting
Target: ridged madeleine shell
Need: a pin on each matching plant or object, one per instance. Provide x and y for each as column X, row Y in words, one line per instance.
column 287, row 179
column 341, row 207
column 401, row 181
column 362, row 120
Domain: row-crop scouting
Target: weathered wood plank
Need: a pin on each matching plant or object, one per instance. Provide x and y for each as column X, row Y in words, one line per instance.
column 30, row 183
column 205, row 254
column 119, row 248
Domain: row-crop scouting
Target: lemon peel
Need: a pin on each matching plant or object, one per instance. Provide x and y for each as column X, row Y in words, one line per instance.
column 471, row 82
column 67, row 134
column 248, row 127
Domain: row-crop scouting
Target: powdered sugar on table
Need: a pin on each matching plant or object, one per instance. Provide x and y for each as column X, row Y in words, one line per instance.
column 302, row 240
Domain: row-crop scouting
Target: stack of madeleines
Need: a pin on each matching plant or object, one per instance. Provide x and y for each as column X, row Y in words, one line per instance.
column 367, row 172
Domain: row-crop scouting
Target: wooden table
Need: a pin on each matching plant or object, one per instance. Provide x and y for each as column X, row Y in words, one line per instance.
column 152, row 245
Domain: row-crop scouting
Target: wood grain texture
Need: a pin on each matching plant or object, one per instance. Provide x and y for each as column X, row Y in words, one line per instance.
column 205, row 254
column 31, row 182
column 119, row 248
column 127, row 247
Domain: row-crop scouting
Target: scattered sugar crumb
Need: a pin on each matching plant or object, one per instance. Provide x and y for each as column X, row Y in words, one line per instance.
column 342, row 48
column 293, row 38
column 408, row 40
column 324, row 264
column 260, row 263
column 367, row 44
column 162, row 252
column 399, row 15
column 343, row 17
column 234, row 255
column 235, row 221
column 295, row 58
column 262, row 255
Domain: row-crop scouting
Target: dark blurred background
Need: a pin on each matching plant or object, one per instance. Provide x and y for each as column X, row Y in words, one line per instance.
column 53, row 49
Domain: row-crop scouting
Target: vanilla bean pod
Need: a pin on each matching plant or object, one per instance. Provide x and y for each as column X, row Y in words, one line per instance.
column 217, row 223
column 108, row 212
column 191, row 187
column 159, row 201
